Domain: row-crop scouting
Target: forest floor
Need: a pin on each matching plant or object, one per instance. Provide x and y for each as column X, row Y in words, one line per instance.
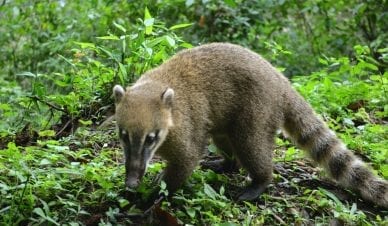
column 300, row 193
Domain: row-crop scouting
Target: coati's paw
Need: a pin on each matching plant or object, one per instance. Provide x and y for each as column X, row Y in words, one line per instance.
column 251, row 192
column 221, row 166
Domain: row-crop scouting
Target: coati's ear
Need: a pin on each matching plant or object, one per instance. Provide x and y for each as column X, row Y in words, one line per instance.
column 118, row 93
column 168, row 97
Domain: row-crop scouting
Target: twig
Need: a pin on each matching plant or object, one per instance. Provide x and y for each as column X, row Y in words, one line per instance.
column 36, row 98
column 157, row 202
column 107, row 122
column 279, row 219
column 64, row 127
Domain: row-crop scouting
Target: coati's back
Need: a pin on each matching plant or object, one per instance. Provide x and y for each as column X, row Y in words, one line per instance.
column 220, row 78
column 240, row 100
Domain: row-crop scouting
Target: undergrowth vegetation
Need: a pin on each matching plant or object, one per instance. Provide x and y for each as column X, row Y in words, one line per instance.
column 60, row 60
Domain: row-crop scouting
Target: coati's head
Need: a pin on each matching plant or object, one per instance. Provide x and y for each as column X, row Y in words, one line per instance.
column 143, row 116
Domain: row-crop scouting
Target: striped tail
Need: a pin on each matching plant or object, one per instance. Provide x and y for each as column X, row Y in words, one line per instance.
column 311, row 134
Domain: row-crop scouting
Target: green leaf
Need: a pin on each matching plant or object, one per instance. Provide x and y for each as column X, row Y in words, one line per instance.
column 58, row 147
column 155, row 41
column 108, row 53
column 170, row 40
column 222, row 190
column 85, row 123
column 4, row 187
column 212, row 148
column 230, row 3
column 186, row 45
column 148, row 21
column 190, row 211
column 353, row 209
column 46, row 133
column 120, row 27
column 189, row 3
column 5, row 107
column 40, row 212
column 85, row 45
column 123, row 203
column 27, row 74
column 384, row 170
column 209, row 191
column 123, row 73
column 331, row 195
column 61, row 83
column 323, row 61
column 290, row 154
column 149, row 25
column 163, row 185
column 44, row 162
column 178, row 26
column 109, row 37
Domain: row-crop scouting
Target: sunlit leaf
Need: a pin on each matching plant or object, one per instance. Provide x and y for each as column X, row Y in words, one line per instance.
column 178, row 26
column 170, row 41
column 46, row 133
column 110, row 37
column 120, row 27
column 148, row 21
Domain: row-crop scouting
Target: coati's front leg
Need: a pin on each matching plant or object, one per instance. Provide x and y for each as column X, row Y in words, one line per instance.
column 182, row 158
column 179, row 167
column 176, row 174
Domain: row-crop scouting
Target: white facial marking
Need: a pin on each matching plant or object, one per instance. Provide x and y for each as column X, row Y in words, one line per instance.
column 162, row 135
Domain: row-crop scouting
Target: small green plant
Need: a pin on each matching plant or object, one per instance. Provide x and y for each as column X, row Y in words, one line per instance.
column 84, row 90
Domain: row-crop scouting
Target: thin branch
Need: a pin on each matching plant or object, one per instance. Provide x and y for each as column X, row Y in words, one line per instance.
column 36, row 98
column 63, row 128
column 156, row 203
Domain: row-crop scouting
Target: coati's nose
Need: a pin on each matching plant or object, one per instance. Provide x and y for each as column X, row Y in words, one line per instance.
column 132, row 182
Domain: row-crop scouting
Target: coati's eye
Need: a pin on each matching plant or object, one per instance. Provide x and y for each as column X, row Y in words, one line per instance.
column 151, row 138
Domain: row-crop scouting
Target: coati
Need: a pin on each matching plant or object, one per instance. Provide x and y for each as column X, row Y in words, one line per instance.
column 237, row 98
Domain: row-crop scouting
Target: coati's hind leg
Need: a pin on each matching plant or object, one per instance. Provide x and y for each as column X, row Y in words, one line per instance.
column 229, row 162
column 254, row 151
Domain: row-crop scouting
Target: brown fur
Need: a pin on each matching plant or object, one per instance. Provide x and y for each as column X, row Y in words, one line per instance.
column 235, row 96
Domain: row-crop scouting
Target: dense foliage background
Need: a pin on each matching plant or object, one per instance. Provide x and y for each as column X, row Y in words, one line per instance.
column 60, row 59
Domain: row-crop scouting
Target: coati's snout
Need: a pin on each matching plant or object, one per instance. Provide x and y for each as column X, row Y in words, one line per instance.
column 138, row 151
column 143, row 118
column 134, row 170
column 133, row 178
